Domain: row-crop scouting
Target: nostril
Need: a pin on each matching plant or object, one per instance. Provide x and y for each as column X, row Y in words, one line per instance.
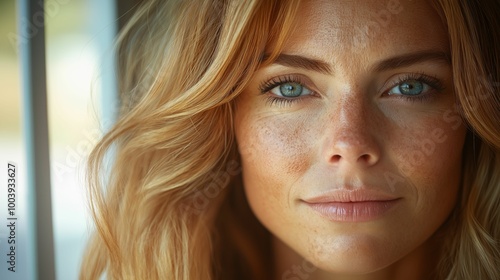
column 352, row 151
column 365, row 158
column 336, row 158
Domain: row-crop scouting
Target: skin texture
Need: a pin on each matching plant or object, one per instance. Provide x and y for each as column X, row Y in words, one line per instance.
column 351, row 134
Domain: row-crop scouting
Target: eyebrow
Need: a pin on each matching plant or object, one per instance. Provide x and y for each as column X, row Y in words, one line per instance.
column 412, row 58
column 298, row 61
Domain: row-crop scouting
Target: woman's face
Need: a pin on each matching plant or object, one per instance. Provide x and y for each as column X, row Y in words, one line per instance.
column 350, row 144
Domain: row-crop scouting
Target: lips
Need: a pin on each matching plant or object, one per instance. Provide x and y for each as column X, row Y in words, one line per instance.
column 360, row 205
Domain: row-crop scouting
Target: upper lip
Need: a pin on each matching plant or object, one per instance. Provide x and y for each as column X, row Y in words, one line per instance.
column 356, row 195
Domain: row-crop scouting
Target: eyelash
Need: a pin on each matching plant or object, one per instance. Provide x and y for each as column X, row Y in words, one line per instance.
column 434, row 83
column 272, row 99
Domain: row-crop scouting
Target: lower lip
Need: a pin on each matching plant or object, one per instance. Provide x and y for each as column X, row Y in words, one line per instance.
column 362, row 211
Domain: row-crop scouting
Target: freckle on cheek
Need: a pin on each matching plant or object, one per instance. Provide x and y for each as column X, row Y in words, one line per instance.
column 297, row 159
column 298, row 164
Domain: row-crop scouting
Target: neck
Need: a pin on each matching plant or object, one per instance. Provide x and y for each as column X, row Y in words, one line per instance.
column 419, row 264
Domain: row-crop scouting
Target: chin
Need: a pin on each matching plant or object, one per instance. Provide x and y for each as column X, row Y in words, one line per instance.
column 358, row 266
column 347, row 256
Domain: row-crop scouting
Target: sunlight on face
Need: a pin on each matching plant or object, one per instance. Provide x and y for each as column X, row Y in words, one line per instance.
column 350, row 146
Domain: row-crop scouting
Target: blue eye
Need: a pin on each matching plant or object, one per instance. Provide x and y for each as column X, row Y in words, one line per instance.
column 410, row 87
column 290, row 89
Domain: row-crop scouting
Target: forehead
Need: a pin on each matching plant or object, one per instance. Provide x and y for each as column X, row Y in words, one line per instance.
column 356, row 27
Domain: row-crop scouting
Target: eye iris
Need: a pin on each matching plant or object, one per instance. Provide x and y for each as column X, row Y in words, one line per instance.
column 412, row 87
column 291, row 89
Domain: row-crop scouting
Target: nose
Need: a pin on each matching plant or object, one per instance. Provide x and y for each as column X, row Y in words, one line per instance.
column 351, row 135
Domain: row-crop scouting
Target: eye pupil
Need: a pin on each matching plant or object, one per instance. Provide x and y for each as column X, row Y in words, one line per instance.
column 291, row 89
column 412, row 87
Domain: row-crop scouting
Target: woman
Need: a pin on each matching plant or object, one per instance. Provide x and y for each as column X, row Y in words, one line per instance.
column 302, row 140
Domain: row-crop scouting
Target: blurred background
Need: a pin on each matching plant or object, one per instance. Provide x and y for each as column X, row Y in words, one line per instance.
column 81, row 97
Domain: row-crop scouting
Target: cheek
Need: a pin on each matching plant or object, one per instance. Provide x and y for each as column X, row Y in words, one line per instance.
column 427, row 159
column 273, row 147
column 275, row 153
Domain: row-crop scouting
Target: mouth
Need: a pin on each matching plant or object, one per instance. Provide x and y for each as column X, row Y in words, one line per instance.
column 353, row 205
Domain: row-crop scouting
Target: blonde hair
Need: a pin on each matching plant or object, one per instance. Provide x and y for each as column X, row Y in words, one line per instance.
column 473, row 247
column 157, row 212
column 181, row 63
